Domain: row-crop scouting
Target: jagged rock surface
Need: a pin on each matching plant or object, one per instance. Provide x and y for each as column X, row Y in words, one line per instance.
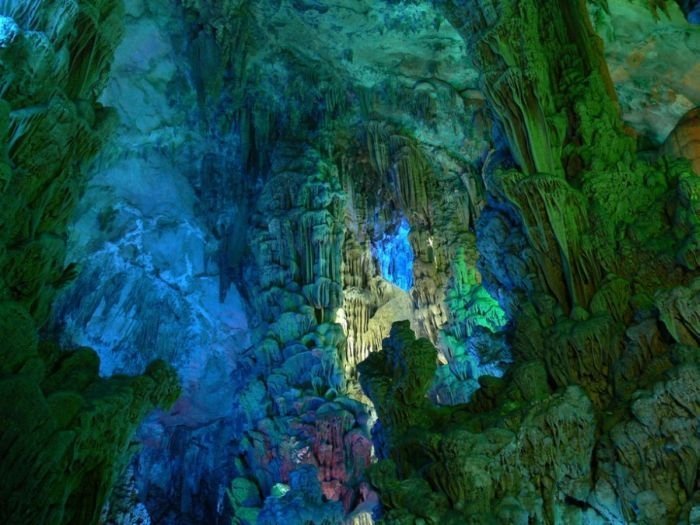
column 579, row 321
column 150, row 286
column 65, row 431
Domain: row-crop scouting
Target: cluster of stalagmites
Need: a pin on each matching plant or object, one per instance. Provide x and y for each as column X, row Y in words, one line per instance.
column 303, row 443
column 64, row 431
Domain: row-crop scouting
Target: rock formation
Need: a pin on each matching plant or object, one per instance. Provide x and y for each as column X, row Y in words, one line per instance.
column 409, row 261
column 65, row 432
column 552, row 441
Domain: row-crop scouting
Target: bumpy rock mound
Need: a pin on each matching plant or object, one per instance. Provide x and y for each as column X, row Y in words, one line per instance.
column 684, row 140
column 520, row 452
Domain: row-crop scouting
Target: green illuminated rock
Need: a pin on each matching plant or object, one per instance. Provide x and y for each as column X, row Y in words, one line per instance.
column 65, row 432
column 593, row 252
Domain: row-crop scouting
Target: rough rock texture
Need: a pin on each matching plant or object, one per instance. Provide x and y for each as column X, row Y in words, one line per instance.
column 67, row 435
column 684, row 140
column 520, row 453
column 65, row 432
column 601, row 297
column 303, row 427
column 289, row 178
column 652, row 61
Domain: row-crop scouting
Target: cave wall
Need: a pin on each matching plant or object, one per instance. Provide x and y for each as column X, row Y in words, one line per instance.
column 149, row 237
column 66, row 431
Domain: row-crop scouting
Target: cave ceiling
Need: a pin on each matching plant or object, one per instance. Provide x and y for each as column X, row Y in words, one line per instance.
column 652, row 53
column 366, row 41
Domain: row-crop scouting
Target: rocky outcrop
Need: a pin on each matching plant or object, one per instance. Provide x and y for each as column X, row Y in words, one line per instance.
column 520, row 452
column 67, row 436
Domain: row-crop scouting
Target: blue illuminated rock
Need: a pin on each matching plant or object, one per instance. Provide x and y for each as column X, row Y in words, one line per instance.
column 395, row 257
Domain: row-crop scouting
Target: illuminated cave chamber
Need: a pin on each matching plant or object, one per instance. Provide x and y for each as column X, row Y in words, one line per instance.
column 376, row 261
column 395, row 256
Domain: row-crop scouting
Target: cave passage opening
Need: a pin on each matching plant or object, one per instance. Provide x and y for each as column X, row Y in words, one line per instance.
column 394, row 256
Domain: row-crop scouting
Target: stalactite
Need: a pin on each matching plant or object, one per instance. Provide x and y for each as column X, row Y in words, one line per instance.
column 27, row 14
column 555, row 218
column 358, row 311
column 370, row 305
column 583, row 352
column 412, row 175
column 537, row 62
column 98, row 31
column 378, row 147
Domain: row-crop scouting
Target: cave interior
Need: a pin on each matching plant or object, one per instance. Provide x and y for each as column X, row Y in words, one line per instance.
column 324, row 262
